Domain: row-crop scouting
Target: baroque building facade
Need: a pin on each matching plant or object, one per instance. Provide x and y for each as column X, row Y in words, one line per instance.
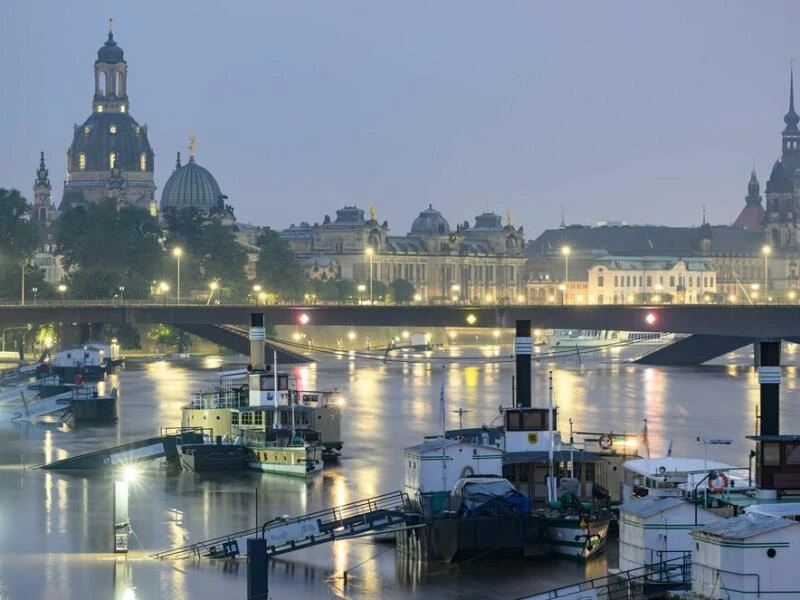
column 483, row 263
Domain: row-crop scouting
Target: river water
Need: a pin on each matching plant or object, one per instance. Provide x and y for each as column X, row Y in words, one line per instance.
column 56, row 528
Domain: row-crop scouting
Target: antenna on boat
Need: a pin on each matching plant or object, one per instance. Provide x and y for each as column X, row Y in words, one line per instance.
column 571, row 451
column 275, row 417
column 551, row 489
column 442, row 418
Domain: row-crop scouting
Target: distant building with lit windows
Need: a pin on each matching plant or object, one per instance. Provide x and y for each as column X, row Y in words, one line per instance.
column 484, row 263
column 110, row 155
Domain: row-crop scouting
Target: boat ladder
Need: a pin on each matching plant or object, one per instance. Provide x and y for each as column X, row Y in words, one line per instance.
column 284, row 534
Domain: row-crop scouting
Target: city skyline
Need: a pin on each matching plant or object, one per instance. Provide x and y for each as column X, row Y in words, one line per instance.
column 623, row 113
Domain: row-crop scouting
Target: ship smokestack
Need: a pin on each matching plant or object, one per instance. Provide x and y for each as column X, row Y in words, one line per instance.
column 523, row 348
column 257, row 337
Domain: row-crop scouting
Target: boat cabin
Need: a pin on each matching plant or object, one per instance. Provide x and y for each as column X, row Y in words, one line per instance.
column 749, row 556
column 777, row 464
column 675, row 476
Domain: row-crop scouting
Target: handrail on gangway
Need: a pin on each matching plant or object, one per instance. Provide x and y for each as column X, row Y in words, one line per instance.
column 287, row 534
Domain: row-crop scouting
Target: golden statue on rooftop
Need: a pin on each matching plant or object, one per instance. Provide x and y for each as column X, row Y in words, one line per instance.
column 192, row 145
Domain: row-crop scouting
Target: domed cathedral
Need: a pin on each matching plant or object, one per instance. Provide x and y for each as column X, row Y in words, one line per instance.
column 192, row 186
column 110, row 156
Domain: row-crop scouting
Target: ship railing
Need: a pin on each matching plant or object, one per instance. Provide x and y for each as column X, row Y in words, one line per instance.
column 648, row 581
column 218, row 399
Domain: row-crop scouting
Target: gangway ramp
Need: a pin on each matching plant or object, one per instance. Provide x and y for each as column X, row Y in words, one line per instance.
column 160, row 446
column 290, row 534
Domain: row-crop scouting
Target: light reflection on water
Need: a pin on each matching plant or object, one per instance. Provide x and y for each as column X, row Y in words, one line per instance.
column 55, row 528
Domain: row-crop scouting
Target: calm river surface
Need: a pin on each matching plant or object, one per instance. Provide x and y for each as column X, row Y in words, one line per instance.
column 56, row 529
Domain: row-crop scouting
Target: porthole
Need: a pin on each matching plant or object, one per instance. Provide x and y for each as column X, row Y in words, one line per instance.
column 771, row 553
column 614, row 468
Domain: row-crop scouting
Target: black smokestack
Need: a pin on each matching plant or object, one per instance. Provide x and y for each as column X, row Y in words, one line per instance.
column 523, row 346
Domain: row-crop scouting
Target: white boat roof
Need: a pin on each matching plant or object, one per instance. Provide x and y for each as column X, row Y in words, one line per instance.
column 674, row 464
column 745, row 526
column 650, row 505
column 234, row 373
column 778, row 509
column 437, row 444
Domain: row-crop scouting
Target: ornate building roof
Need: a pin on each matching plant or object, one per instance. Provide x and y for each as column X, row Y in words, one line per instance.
column 191, row 186
column 430, row 222
column 110, row 52
column 105, row 133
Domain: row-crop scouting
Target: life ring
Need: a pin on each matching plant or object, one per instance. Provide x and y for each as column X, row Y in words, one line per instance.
column 718, row 484
column 605, row 442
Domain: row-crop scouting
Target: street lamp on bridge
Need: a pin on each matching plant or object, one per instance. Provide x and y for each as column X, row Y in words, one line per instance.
column 177, row 252
column 766, row 251
column 61, row 289
column 361, row 288
column 370, row 251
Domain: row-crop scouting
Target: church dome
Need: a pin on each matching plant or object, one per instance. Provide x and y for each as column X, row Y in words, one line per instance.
column 107, row 133
column 110, row 52
column 779, row 180
column 191, row 186
column 430, row 222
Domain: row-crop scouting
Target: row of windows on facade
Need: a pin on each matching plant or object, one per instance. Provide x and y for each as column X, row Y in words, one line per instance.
column 631, row 281
column 122, row 108
column 411, row 272
column 112, row 161
column 257, row 418
column 112, row 129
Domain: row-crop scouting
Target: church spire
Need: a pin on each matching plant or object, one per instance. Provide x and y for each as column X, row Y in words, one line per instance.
column 42, row 173
column 791, row 119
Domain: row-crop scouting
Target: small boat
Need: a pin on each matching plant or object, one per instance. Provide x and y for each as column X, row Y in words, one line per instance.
column 592, row 338
column 284, row 452
column 90, row 362
column 79, row 402
column 203, row 458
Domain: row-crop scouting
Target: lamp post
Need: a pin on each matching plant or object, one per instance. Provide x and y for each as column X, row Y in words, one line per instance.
column 563, row 290
column 35, row 291
column 766, row 250
column 456, row 289
column 361, row 288
column 256, row 293
column 370, row 251
column 565, row 251
column 177, row 252
column 121, row 293
column 61, row 289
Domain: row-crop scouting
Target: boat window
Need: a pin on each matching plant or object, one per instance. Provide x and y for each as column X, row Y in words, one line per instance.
column 234, row 418
column 247, row 418
column 258, row 418
column 791, row 454
column 513, row 421
column 771, row 452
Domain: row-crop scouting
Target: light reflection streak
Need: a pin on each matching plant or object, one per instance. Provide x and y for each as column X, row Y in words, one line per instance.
column 63, row 499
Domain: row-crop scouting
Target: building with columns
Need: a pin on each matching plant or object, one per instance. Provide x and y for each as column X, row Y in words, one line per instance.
column 110, row 155
column 483, row 263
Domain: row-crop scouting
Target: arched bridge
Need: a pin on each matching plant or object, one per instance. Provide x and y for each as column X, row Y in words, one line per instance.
column 716, row 329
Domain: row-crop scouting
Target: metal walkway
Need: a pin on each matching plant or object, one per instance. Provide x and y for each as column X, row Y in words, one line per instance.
column 286, row 535
column 164, row 445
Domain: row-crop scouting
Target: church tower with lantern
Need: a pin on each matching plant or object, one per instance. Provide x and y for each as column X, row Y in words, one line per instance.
column 110, row 155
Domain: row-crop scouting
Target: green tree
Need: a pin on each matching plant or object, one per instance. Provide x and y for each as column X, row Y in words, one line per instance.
column 170, row 337
column 278, row 267
column 18, row 241
column 116, row 246
column 402, row 290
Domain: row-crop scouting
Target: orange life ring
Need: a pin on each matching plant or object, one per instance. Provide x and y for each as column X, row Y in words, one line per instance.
column 718, row 484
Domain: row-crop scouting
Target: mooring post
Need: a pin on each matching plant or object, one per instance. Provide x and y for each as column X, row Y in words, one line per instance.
column 257, row 566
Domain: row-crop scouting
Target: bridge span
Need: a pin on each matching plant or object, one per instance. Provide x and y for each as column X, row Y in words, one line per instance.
column 756, row 322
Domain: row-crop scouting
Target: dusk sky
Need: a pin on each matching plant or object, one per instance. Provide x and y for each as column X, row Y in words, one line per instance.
column 627, row 111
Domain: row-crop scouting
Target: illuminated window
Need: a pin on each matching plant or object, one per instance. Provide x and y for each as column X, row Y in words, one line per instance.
column 82, row 162
column 99, row 108
column 143, row 162
column 86, row 130
column 138, row 131
column 113, row 129
column 121, row 108
column 112, row 160
column 153, row 209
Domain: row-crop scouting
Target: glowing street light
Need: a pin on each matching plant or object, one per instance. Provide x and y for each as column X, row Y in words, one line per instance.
column 455, row 289
column 471, row 319
column 213, row 286
column 61, row 289
column 177, row 252
column 766, row 251
column 566, row 251
column 361, row 288
column 35, row 291
column 163, row 288
column 417, row 297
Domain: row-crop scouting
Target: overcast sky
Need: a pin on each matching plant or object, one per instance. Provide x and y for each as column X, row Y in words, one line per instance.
column 631, row 111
